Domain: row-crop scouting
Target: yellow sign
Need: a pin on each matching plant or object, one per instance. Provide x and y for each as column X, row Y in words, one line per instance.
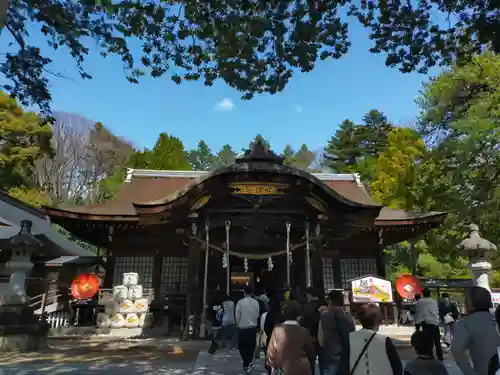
column 256, row 188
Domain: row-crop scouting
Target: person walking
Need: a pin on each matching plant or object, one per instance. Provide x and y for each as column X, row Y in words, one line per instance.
column 448, row 314
column 427, row 318
column 475, row 333
column 413, row 310
column 310, row 320
column 262, row 310
column 494, row 362
column 273, row 318
column 228, row 323
column 247, row 317
column 216, row 313
column 425, row 363
column 333, row 333
column 290, row 348
column 369, row 352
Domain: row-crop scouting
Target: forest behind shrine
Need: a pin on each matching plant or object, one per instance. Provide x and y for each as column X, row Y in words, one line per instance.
column 447, row 160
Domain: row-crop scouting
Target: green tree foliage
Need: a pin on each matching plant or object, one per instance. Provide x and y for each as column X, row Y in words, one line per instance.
column 225, row 156
column 33, row 196
column 107, row 155
column 343, row 151
column 259, row 138
column 288, row 153
column 231, row 40
column 303, row 158
column 24, row 139
column 460, row 119
column 167, row 154
column 394, row 181
column 201, row 158
column 354, row 148
column 373, row 133
column 461, row 110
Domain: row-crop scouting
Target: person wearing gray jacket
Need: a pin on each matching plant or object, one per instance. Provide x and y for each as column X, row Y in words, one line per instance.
column 475, row 333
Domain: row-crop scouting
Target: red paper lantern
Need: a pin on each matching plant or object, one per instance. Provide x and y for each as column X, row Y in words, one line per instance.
column 85, row 286
column 407, row 286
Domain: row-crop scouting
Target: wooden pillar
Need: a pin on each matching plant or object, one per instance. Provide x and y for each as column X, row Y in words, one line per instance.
column 380, row 263
column 298, row 274
column 109, row 272
column 318, row 282
column 156, row 278
column 193, row 292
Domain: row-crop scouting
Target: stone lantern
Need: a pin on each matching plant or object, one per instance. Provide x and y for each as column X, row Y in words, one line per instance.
column 478, row 251
column 20, row 328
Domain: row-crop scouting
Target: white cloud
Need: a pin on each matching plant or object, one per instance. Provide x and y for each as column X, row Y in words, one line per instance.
column 298, row 109
column 225, row 105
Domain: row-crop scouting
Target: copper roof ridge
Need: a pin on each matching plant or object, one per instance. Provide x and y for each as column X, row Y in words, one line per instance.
column 132, row 172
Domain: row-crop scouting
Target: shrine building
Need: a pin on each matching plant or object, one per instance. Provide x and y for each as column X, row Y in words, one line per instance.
column 257, row 220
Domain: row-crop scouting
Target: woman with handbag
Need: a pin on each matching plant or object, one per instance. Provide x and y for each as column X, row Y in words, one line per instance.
column 448, row 313
column 368, row 352
column 290, row 348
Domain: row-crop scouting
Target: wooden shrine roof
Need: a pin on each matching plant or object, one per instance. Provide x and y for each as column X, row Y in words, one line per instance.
column 154, row 188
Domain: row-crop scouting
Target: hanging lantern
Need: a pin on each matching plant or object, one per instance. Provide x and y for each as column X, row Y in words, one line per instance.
column 85, row 286
column 270, row 264
column 407, row 286
column 245, row 264
column 224, row 261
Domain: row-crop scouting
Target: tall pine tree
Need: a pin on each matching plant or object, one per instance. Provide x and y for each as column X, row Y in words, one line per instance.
column 289, row 154
column 259, row 138
column 374, row 133
column 167, row 153
column 343, row 150
column 303, row 158
column 201, row 158
column 225, row 156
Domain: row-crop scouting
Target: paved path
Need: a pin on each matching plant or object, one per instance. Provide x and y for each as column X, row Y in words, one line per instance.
column 227, row 362
column 89, row 369
column 224, row 362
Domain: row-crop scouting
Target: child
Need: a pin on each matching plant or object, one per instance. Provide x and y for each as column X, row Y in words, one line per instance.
column 425, row 363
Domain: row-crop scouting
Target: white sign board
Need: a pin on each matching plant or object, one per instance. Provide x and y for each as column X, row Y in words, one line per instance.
column 371, row 289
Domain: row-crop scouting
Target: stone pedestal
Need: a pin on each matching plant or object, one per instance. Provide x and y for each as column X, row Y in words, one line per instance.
column 19, row 266
column 480, row 272
column 20, row 328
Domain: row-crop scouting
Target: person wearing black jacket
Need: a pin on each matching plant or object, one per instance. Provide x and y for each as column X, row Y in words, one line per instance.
column 310, row 320
column 448, row 314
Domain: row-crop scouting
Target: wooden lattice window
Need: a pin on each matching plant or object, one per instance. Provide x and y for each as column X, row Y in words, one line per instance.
column 142, row 265
column 328, row 274
column 174, row 275
column 353, row 268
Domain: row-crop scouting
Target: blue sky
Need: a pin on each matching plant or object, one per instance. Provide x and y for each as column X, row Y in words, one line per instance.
column 308, row 111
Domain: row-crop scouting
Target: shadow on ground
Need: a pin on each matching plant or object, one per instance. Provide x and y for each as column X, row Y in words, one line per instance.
column 89, row 356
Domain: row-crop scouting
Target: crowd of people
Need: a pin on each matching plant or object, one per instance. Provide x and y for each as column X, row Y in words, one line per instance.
column 294, row 335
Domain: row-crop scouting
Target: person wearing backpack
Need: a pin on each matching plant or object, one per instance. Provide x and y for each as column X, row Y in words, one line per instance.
column 333, row 333
column 310, row 320
column 367, row 350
